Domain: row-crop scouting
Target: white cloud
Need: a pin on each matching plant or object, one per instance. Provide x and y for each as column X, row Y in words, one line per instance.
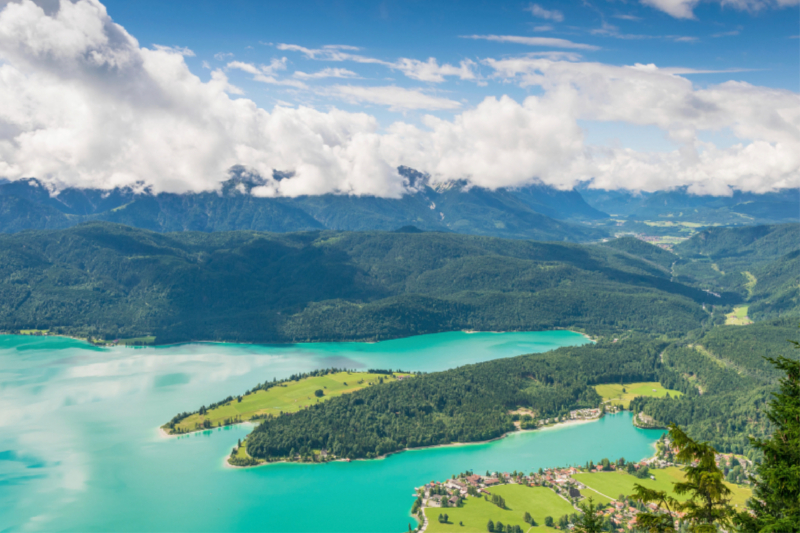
column 84, row 105
column 533, row 41
column 727, row 33
column 326, row 73
column 432, row 71
column 684, row 9
column 396, row 98
column 545, row 27
column 548, row 14
column 222, row 56
column 266, row 73
column 429, row 71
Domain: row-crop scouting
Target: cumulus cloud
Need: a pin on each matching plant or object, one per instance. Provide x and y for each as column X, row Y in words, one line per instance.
column 552, row 42
column 85, row 105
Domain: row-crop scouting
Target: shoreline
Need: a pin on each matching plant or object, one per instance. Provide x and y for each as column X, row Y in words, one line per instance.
column 292, row 343
column 557, row 425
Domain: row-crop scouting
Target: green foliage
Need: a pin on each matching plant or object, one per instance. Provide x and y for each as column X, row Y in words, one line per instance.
column 465, row 404
column 707, row 506
column 775, row 507
column 106, row 281
column 645, row 250
column 727, row 365
column 589, row 521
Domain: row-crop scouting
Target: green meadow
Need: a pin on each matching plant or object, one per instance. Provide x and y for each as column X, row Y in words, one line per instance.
column 738, row 317
column 476, row 512
column 287, row 397
column 623, row 394
column 613, row 484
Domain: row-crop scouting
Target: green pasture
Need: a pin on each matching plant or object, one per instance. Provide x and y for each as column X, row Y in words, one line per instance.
column 476, row 512
column 595, row 496
column 612, row 484
column 615, row 394
column 288, row 397
column 738, row 317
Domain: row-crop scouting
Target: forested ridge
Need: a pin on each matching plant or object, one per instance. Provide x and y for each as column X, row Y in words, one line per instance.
column 465, row 404
column 106, row 281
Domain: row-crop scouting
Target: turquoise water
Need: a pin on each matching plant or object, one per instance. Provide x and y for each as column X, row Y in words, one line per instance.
column 80, row 450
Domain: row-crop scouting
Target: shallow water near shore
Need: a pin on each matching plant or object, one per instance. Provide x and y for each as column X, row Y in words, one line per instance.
column 80, row 450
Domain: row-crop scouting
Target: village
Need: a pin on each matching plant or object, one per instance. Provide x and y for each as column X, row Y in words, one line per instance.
column 619, row 512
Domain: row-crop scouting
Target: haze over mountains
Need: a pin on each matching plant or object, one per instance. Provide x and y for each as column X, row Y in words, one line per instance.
column 536, row 211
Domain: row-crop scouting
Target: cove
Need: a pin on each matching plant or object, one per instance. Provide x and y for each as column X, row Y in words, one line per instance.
column 79, row 448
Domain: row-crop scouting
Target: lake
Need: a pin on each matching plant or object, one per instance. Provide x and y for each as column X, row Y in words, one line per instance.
column 80, row 450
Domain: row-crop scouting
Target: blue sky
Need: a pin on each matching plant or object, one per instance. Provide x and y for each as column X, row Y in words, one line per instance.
column 640, row 94
column 756, row 45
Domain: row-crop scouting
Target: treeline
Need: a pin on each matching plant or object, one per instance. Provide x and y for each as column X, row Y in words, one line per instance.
column 465, row 404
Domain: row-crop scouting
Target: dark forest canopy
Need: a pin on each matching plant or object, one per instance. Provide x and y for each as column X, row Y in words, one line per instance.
column 107, row 281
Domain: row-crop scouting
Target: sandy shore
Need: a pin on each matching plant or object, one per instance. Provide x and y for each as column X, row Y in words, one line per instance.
column 567, row 423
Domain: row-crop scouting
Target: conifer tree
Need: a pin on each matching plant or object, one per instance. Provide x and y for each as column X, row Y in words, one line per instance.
column 589, row 521
column 775, row 506
column 708, row 504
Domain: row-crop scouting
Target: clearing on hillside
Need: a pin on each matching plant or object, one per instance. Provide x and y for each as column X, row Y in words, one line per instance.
column 738, row 317
column 622, row 394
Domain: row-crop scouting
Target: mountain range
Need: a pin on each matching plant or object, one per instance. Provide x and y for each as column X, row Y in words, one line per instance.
column 535, row 212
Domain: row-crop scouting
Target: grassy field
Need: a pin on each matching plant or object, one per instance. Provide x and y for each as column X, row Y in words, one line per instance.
column 288, row 398
column 612, row 484
column 33, row 331
column 476, row 512
column 623, row 394
column 738, row 317
column 595, row 496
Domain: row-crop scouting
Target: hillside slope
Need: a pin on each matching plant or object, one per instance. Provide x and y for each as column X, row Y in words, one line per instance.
column 110, row 281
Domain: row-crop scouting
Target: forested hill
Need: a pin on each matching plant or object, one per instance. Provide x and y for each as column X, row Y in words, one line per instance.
column 722, row 372
column 760, row 263
column 109, row 281
column 465, row 404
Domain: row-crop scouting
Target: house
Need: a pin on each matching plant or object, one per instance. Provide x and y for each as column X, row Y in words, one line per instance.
column 453, row 500
column 491, row 481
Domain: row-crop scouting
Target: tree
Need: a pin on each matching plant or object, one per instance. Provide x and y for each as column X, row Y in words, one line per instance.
column 527, row 517
column 707, row 506
column 589, row 521
column 319, row 393
column 548, row 521
column 490, row 526
column 775, row 505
